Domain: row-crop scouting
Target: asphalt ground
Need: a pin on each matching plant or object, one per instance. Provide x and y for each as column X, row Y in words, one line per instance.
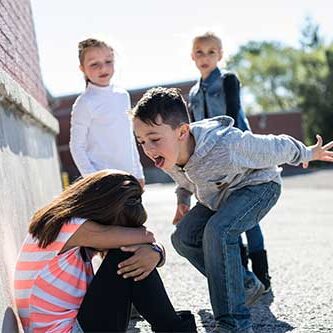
column 299, row 241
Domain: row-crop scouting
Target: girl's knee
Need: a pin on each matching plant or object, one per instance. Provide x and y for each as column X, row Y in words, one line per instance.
column 115, row 256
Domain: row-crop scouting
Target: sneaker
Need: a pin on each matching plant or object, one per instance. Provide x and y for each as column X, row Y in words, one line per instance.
column 254, row 289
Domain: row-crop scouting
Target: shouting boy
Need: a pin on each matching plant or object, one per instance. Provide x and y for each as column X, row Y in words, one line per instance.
column 235, row 178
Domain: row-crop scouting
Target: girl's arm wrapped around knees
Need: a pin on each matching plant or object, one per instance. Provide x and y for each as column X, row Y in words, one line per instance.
column 98, row 236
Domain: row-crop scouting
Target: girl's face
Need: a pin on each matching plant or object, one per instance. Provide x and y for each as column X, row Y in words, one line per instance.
column 206, row 54
column 98, row 65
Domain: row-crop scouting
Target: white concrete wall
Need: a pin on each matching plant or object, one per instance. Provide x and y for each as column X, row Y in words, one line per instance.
column 29, row 178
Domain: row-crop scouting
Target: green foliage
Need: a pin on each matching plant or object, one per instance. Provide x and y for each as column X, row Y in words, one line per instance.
column 280, row 78
column 266, row 70
column 317, row 93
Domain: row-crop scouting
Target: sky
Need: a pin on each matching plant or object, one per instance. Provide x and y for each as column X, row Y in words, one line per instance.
column 152, row 38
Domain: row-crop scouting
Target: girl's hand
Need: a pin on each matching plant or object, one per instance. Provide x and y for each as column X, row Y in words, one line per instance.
column 140, row 264
column 320, row 152
column 182, row 209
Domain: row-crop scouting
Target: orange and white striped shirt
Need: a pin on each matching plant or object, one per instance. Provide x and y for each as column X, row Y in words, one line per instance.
column 50, row 287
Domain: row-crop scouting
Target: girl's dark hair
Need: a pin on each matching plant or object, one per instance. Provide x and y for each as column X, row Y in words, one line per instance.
column 108, row 197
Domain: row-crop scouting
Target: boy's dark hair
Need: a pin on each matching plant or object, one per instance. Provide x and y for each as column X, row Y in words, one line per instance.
column 108, row 197
column 168, row 103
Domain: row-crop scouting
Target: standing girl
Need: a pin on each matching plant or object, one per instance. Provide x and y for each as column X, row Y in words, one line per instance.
column 101, row 132
column 55, row 288
column 218, row 93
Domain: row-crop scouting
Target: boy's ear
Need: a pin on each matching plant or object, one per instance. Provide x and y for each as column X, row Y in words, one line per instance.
column 184, row 131
column 81, row 69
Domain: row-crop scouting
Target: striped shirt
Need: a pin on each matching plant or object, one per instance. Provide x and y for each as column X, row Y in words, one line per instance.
column 50, row 287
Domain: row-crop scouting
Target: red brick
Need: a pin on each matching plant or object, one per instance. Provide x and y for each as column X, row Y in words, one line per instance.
column 18, row 51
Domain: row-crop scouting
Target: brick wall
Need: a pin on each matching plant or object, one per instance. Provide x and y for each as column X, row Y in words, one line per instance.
column 18, row 47
column 29, row 166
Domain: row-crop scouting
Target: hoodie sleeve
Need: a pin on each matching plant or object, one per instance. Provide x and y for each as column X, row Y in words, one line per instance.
column 255, row 151
column 183, row 196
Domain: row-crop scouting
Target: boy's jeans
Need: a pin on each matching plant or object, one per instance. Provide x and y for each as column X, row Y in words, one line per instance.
column 209, row 240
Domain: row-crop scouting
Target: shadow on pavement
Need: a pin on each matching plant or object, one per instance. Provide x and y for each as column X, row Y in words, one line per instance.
column 263, row 319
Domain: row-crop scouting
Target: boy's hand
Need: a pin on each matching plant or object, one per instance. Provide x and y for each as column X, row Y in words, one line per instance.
column 182, row 209
column 320, row 152
column 140, row 264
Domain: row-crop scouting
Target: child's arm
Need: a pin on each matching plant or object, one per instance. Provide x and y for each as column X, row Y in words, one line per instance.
column 80, row 122
column 92, row 234
column 254, row 151
column 233, row 101
column 262, row 151
column 181, row 211
column 183, row 204
column 232, row 96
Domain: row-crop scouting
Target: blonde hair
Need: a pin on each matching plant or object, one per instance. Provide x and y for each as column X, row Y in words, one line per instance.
column 85, row 45
column 208, row 36
column 90, row 42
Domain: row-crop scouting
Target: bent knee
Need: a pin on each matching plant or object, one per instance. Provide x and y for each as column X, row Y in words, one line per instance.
column 222, row 232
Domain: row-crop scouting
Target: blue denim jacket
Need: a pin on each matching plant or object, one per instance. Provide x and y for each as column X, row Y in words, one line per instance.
column 215, row 99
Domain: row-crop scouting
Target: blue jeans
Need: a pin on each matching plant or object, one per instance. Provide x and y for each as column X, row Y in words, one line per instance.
column 209, row 240
column 255, row 239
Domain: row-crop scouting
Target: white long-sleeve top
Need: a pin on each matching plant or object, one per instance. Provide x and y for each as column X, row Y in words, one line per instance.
column 101, row 135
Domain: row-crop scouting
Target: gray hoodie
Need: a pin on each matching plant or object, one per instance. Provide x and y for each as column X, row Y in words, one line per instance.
column 226, row 159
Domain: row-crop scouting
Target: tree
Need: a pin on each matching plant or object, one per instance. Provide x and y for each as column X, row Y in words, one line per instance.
column 316, row 92
column 283, row 78
column 266, row 70
column 310, row 37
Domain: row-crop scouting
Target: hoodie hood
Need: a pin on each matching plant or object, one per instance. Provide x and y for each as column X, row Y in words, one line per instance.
column 202, row 131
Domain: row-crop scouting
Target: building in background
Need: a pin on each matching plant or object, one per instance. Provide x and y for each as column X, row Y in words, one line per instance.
column 61, row 108
column 288, row 122
column 29, row 165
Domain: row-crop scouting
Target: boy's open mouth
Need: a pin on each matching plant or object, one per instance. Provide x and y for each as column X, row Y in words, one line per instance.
column 159, row 161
